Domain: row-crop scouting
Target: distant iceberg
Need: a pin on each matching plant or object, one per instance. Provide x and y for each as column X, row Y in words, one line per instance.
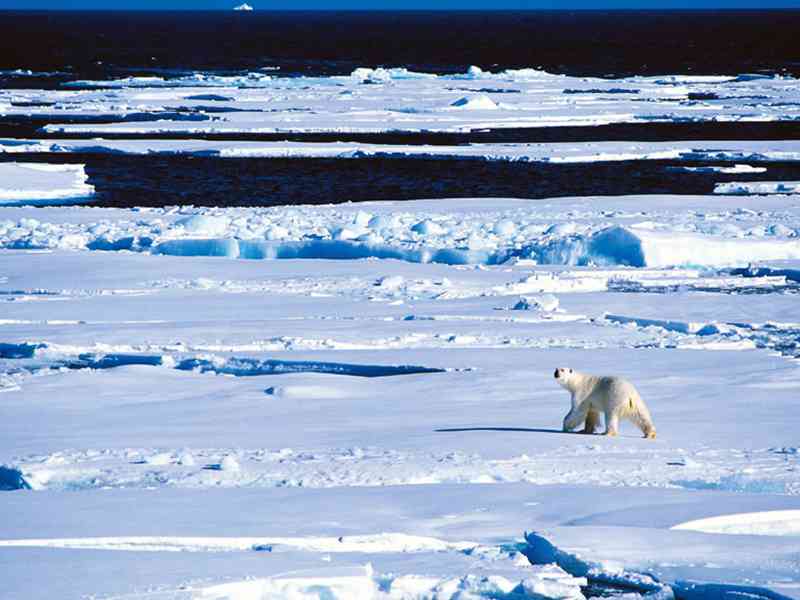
column 244, row 6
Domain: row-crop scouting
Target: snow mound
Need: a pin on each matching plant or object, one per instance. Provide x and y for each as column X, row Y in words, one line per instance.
column 205, row 224
column 39, row 183
column 305, row 392
column 428, row 227
column 481, row 102
column 243, row 7
column 229, row 464
column 776, row 522
column 544, row 303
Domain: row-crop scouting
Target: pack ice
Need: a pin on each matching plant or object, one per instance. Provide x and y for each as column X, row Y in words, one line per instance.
column 357, row 401
column 208, row 426
column 397, row 99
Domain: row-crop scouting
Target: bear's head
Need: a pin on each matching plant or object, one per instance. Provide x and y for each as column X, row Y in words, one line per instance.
column 563, row 375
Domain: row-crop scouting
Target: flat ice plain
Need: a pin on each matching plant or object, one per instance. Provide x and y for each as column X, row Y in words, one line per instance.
column 357, row 401
column 377, row 100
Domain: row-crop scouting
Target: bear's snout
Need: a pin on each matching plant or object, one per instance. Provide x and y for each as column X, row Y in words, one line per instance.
column 555, row 374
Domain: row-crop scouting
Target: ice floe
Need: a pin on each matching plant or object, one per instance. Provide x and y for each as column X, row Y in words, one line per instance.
column 398, row 99
column 41, row 183
column 779, row 522
column 757, row 188
column 557, row 153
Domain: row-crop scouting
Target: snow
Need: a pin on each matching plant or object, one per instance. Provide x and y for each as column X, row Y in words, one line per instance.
column 240, row 438
column 243, row 7
column 776, row 522
column 40, row 183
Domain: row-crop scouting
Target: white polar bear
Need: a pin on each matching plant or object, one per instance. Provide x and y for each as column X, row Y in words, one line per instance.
column 615, row 397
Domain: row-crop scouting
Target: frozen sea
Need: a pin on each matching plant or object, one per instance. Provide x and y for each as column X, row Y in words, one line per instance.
column 282, row 295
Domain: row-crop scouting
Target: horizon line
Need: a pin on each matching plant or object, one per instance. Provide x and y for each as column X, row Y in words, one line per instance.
column 415, row 10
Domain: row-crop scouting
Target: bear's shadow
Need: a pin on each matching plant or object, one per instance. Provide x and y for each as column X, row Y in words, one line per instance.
column 516, row 429
column 523, row 430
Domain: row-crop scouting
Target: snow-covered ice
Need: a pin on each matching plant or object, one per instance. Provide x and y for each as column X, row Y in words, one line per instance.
column 356, row 401
column 40, row 183
column 248, row 402
column 635, row 231
column 396, row 99
column 557, row 153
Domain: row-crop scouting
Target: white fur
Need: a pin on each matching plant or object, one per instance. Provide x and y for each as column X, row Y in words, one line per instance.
column 615, row 397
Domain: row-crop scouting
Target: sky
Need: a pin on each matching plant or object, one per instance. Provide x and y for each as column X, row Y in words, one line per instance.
column 389, row 4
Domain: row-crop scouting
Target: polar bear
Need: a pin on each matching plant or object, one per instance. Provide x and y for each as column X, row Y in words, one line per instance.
column 615, row 397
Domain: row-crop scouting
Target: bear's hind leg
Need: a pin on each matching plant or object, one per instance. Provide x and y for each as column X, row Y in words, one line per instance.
column 612, row 423
column 592, row 419
column 641, row 417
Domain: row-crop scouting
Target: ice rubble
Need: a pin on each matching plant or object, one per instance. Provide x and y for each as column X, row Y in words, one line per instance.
column 541, row 551
column 198, row 80
column 544, row 582
column 728, row 237
column 41, row 183
column 757, row 187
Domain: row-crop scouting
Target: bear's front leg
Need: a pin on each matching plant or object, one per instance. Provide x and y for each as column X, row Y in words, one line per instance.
column 592, row 419
column 574, row 418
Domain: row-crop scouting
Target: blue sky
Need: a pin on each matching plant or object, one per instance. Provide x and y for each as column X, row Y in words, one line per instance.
column 391, row 4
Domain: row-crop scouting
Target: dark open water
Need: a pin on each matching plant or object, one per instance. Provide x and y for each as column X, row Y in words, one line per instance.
column 159, row 180
column 64, row 46
column 599, row 43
